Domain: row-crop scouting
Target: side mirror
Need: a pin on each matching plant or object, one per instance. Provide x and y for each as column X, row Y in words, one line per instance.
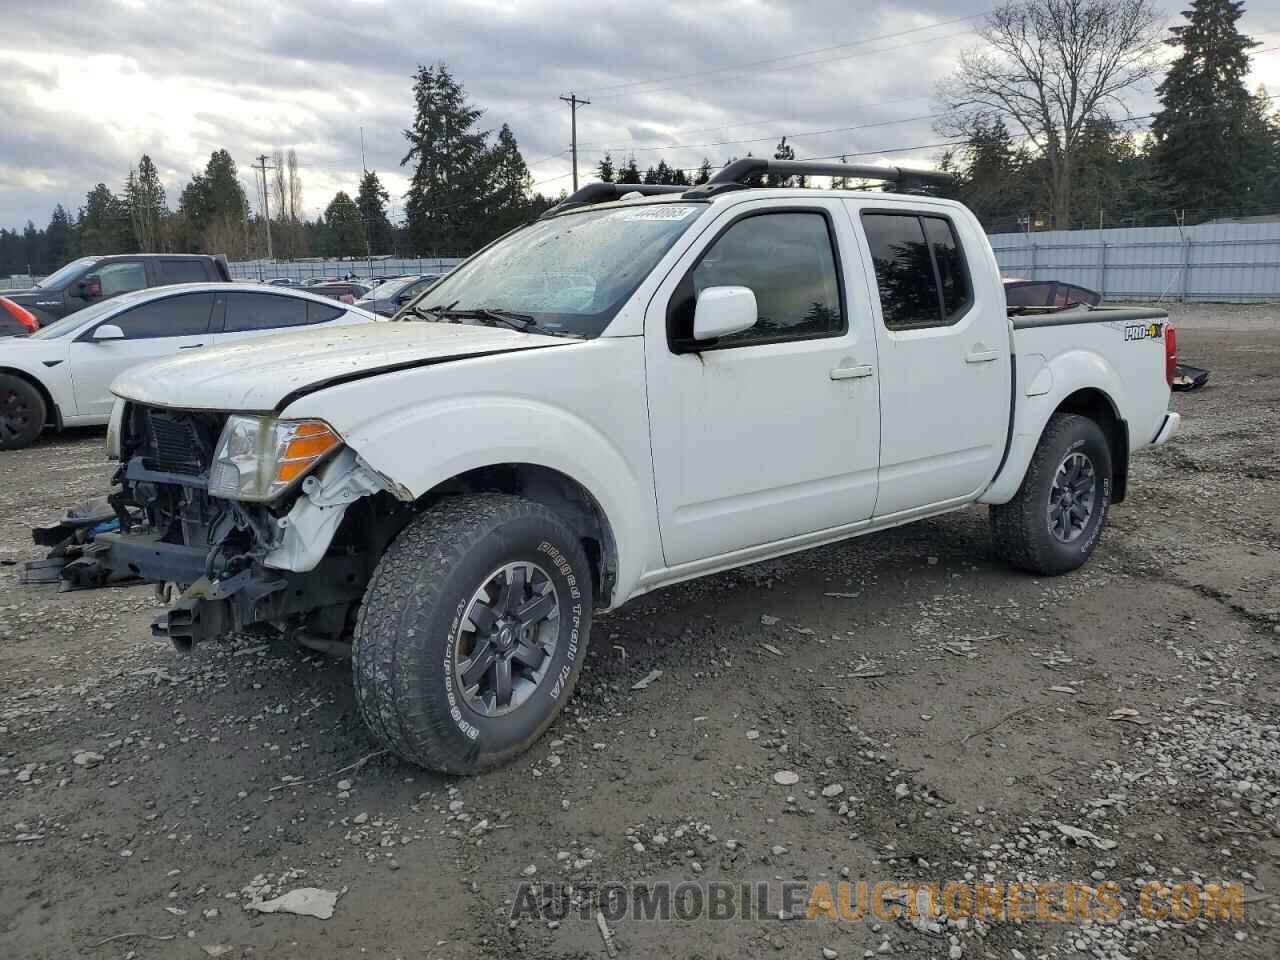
column 108, row 331
column 722, row 311
column 91, row 287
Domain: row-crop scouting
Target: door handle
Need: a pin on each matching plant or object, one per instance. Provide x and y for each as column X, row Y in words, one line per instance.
column 852, row 373
column 982, row 356
column 190, row 346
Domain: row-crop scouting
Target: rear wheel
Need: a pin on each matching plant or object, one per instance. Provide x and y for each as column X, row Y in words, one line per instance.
column 22, row 413
column 472, row 632
column 1053, row 523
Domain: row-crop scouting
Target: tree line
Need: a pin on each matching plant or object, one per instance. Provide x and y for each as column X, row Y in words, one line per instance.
column 1039, row 140
column 1039, row 110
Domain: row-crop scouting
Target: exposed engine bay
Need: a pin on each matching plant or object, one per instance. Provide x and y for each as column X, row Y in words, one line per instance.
column 297, row 562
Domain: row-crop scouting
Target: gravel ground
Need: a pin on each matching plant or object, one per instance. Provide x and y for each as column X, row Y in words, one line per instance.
column 973, row 720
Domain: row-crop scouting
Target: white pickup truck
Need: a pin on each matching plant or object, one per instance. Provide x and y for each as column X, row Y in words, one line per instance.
column 629, row 392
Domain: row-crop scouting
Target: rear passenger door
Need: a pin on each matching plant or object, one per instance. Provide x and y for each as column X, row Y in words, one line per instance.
column 251, row 314
column 944, row 354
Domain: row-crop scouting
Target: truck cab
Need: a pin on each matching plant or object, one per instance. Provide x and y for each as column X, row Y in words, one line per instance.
column 91, row 280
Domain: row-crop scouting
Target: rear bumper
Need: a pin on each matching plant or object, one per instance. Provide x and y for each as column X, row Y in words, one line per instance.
column 1167, row 429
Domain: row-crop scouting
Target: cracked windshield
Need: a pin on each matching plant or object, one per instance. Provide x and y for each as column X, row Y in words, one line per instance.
column 569, row 274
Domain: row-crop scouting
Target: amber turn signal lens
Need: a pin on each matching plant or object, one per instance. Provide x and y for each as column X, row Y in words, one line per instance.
column 310, row 441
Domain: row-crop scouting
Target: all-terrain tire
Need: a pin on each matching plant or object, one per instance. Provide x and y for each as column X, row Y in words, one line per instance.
column 1022, row 529
column 405, row 655
column 22, row 412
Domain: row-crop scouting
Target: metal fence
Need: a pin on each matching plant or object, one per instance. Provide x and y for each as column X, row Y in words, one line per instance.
column 1214, row 262
column 263, row 270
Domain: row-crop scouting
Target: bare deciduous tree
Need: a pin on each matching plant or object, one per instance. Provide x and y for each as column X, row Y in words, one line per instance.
column 1048, row 68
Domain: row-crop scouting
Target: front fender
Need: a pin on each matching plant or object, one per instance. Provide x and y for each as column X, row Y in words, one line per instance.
column 1041, row 389
column 422, row 444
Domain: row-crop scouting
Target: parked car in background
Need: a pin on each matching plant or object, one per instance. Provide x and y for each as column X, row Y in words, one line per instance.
column 388, row 297
column 285, row 282
column 347, row 291
column 60, row 376
column 91, row 280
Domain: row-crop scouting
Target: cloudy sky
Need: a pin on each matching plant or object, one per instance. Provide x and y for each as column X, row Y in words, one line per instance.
column 86, row 86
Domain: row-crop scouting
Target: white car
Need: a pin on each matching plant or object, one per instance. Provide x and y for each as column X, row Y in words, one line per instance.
column 60, row 376
column 622, row 395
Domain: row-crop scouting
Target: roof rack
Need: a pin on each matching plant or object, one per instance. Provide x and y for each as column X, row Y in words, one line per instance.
column 736, row 174
column 605, row 192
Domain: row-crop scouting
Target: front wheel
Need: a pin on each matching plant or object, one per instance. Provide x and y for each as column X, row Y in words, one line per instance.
column 1053, row 522
column 22, row 413
column 472, row 632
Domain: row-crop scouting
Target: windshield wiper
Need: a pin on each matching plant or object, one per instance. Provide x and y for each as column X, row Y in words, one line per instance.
column 523, row 322
column 438, row 312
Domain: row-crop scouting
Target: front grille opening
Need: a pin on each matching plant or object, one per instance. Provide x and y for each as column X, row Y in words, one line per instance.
column 179, row 442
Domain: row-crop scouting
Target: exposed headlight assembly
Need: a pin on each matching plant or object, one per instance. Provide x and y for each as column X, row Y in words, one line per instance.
column 259, row 458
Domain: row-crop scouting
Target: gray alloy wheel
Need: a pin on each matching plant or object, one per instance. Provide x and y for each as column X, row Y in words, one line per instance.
column 507, row 638
column 1071, row 497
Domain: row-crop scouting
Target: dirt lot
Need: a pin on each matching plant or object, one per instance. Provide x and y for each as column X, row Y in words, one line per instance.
column 966, row 712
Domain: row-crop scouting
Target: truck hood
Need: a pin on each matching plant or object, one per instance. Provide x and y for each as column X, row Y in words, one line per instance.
column 265, row 373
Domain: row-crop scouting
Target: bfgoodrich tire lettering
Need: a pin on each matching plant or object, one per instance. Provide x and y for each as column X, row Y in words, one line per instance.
column 414, row 630
column 1072, row 449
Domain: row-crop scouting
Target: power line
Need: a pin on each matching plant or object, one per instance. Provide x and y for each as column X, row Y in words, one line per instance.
column 788, row 56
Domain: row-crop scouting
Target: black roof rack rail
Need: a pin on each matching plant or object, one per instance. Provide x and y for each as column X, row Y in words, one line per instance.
column 604, row 192
column 733, row 176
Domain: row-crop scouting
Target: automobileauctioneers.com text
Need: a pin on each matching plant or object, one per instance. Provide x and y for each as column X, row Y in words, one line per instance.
column 1062, row 901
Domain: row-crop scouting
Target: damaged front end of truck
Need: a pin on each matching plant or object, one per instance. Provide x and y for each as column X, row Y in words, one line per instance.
column 254, row 523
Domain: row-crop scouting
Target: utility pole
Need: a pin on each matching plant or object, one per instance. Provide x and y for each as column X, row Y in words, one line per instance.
column 266, row 200
column 574, row 103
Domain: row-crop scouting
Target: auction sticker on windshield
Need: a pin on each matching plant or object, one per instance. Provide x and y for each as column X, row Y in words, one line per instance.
column 658, row 212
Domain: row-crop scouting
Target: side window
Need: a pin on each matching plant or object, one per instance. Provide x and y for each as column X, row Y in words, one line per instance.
column 264, row 311
column 788, row 261
column 952, row 275
column 183, row 316
column 121, row 277
column 322, row 312
column 920, row 270
column 179, row 271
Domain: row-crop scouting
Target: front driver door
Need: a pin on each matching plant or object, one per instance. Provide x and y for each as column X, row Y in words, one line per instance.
column 774, row 432
column 155, row 329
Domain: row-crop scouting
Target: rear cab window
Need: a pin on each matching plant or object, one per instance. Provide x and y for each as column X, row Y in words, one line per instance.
column 920, row 269
column 179, row 271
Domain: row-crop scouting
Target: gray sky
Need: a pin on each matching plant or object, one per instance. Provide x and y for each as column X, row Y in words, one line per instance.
column 86, row 86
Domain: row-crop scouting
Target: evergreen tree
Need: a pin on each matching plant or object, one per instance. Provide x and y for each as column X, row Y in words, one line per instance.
column 345, row 229
column 630, row 173
column 605, row 170
column 215, row 208
column 60, row 239
column 447, row 192
column 33, row 247
column 784, row 152
column 144, row 198
column 371, row 201
column 509, row 187
column 104, row 222
column 704, row 171
column 1214, row 144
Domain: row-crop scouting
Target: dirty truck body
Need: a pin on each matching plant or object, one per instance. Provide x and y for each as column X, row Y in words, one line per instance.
column 618, row 397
